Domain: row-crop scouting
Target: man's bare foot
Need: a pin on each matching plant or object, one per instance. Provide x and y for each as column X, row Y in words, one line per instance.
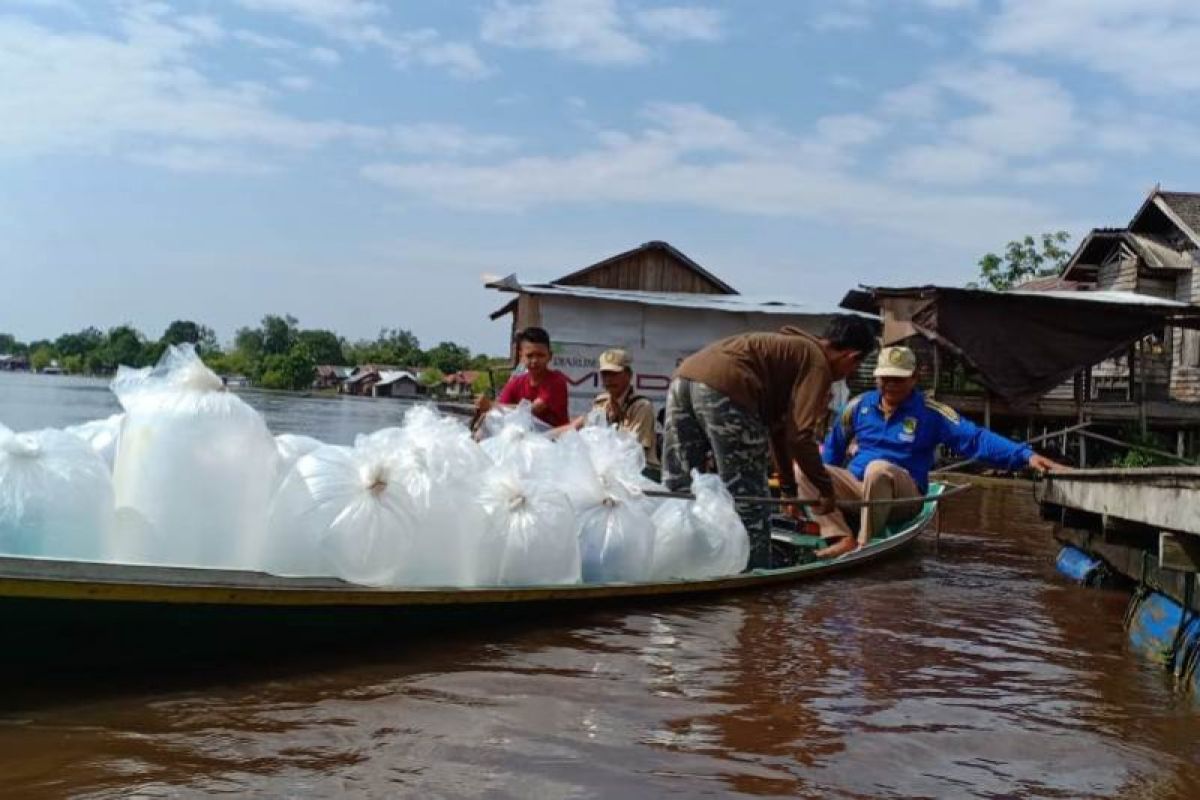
column 840, row 547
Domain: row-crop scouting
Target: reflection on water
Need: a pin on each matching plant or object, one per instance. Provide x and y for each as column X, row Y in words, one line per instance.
column 964, row 668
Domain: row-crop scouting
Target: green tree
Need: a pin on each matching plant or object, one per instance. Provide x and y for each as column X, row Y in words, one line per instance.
column 294, row 370
column 248, row 342
column 324, row 346
column 485, row 384
column 10, row 346
column 1024, row 259
column 123, row 345
column 278, row 333
column 181, row 331
column 449, row 357
column 79, row 344
column 41, row 357
column 431, row 377
column 73, row 365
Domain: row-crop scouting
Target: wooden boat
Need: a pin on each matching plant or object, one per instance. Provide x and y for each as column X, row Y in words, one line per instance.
column 45, row 602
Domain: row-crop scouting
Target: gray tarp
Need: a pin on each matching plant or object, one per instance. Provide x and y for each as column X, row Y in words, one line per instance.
column 1022, row 343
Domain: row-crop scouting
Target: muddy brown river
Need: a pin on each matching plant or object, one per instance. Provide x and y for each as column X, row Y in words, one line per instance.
column 964, row 668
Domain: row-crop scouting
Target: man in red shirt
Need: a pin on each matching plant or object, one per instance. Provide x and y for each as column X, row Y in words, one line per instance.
column 544, row 388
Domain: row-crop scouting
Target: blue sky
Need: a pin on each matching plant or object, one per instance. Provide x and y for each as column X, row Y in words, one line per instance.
column 361, row 163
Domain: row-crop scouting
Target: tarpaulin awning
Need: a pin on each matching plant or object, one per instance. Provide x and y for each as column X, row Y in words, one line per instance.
column 1022, row 343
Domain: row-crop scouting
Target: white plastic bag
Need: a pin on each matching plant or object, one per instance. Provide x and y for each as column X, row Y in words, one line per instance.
column 440, row 466
column 602, row 476
column 195, row 468
column 616, row 542
column 529, row 533
column 291, row 448
column 517, row 440
column 341, row 512
column 701, row 538
column 56, row 496
column 102, row 435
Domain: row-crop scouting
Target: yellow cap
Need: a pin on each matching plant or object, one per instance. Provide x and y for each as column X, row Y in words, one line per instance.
column 615, row 361
column 896, row 362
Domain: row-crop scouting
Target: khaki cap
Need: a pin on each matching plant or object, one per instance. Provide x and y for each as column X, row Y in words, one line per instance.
column 896, row 362
column 615, row 361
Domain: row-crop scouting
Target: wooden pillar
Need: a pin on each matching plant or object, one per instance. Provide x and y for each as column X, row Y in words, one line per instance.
column 1180, row 443
column 937, row 369
column 987, row 409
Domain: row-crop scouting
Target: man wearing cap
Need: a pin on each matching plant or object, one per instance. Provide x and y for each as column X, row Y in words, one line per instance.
column 624, row 407
column 896, row 430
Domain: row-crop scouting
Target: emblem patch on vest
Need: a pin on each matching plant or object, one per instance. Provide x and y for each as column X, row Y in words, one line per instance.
column 908, row 429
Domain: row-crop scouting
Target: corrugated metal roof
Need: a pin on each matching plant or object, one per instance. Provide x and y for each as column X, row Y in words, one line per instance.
column 388, row 376
column 736, row 303
column 1104, row 296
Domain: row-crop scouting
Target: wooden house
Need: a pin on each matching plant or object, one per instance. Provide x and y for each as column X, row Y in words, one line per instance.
column 1156, row 254
column 652, row 301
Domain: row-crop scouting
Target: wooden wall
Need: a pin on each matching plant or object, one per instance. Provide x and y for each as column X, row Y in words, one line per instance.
column 647, row 271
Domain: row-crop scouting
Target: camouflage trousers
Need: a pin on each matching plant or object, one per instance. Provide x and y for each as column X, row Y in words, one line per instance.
column 701, row 423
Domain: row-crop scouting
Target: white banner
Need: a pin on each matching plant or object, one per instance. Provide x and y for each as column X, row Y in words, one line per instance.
column 652, row 370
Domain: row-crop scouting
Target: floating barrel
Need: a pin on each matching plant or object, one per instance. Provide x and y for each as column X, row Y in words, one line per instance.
column 1159, row 629
column 1081, row 567
column 1187, row 658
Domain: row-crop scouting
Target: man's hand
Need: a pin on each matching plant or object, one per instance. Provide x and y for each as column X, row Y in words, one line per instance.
column 539, row 406
column 1043, row 464
column 824, row 505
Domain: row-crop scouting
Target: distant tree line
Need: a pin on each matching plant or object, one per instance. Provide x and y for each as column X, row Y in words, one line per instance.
column 277, row 354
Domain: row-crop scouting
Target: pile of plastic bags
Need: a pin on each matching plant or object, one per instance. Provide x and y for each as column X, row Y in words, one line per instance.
column 189, row 475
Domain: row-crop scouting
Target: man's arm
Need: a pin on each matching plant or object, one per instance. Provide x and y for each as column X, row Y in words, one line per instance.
column 810, row 398
column 974, row 441
column 837, row 442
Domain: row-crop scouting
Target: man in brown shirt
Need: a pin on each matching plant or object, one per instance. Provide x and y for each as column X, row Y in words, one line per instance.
column 749, row 397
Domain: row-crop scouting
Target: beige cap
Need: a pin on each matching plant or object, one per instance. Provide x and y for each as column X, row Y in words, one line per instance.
column 615, row 361
column 896, row 362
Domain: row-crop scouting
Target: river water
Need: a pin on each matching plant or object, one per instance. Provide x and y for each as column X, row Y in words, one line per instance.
column 964, row 668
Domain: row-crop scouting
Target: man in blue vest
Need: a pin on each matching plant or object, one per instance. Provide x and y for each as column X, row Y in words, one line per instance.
column 883, row 445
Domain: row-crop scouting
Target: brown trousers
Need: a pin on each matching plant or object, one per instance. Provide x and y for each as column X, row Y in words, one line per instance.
column 881, row 481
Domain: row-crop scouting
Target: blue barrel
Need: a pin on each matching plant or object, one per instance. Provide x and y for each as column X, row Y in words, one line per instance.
column 1157, row 627
column 1187, row 659
column 1079, row 566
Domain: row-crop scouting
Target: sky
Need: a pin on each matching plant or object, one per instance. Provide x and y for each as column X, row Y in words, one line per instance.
column 363, row 164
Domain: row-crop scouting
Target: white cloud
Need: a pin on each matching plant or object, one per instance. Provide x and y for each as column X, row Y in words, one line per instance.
column 949, row 164
column 263, row 41
column 324, row 55
column 1149, row 45
column 1058, row 173
column 321, row 13
column 188, row 159
column 922, row 34
column 365, row 23
column 689, row 156
column 438, row 139
column 297, row 83
column 846, row 20
column 591, row 31
column 142, row 95
column 681, row 23
column 951, row 5
column 846, row 82
column 1011, row 115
